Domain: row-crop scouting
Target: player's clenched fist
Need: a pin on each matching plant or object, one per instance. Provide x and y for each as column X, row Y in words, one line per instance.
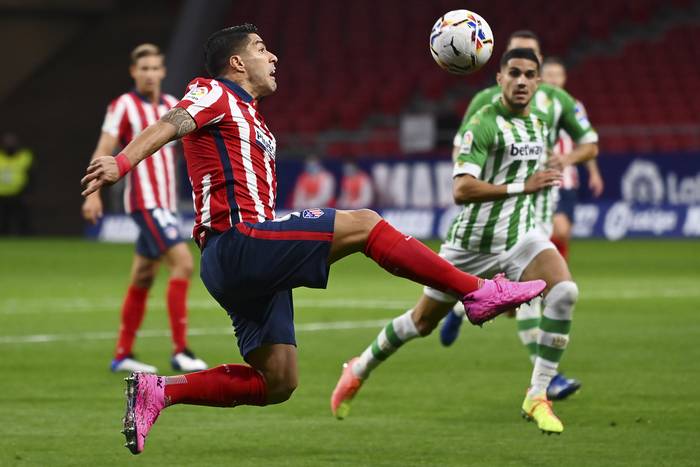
column 542, row 179
column 101, row 171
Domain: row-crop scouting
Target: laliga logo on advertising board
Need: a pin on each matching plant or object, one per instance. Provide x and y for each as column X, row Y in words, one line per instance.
column 643, row 183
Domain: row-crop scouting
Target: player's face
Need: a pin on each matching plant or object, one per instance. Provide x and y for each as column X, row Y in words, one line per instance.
column 518, row 79
column 147, row 73
column 554, row 74
column 260, row 64
column 526, row 43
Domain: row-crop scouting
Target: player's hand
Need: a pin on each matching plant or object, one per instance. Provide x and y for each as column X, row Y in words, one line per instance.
column 557, row 162
column 102, row 171
column 92, row 208
column 596, row 184
column 542, row 179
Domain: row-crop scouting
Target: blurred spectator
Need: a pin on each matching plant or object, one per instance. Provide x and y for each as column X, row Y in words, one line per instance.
column 315, row 187
column 15, row 174
column 356, row 189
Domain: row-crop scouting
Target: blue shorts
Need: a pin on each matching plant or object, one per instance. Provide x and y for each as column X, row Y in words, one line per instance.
column 567, row 203
column 158, row 231
column 251, row 270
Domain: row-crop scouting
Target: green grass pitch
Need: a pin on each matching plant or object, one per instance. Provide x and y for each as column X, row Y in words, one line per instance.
column 635, row 345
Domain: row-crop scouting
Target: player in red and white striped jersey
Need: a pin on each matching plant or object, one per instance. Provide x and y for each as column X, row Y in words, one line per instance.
column 251, row 261
column 554, row 73
column 150, row 199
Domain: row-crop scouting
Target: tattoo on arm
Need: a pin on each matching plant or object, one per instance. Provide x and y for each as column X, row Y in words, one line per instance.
column 181, row 120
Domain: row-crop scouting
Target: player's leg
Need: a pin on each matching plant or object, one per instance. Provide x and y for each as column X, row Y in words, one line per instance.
column 143, row 273
column 404, row 256
column 416, row 322
column 560, row 297
column 179, row 261
column 265, row 332
column 562, row 221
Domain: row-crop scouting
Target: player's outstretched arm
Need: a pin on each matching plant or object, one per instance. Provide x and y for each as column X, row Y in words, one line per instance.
column 581, row 153
column 92, row 206
column 468, row 189
column 106, row 170
column 595, row 180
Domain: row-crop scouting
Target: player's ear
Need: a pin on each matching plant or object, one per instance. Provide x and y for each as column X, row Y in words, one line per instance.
column 236, row 62
column 132, row 71
column 498, row 78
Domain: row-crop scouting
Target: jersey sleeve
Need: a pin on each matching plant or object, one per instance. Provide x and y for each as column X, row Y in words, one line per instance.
column 574, row 119
column 479, row 100
column 116, row 122
column 205, row 101
column 476, row 139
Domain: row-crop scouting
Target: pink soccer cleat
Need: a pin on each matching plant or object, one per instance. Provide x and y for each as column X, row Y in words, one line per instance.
column 498, row 295
column 145, row 398
column 344, row 391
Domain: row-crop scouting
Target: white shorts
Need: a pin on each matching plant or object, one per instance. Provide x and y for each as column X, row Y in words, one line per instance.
column 512, row 262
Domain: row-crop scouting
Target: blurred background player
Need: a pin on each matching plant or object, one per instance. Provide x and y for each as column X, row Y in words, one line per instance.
column 560, row 111
column 15, row 178
column 499, row 166
column 314, row 187
column 149, row 197
column 356, row 190
column 554, row 73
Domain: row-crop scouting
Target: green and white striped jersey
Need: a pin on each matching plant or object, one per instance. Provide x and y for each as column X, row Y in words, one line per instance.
column 499, row 148
column 560, row 111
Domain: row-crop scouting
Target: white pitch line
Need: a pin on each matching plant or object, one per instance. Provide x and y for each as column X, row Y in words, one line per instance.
column 78, row 305
column 148, row 333
column 16, row 306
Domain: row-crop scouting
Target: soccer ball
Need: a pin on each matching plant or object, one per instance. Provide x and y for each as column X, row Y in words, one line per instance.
column 461, row 42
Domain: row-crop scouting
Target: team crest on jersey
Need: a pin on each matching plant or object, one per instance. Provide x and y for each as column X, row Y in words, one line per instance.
column 314, row 213
column 196, row 93
column 467, row 141
column 265, row 142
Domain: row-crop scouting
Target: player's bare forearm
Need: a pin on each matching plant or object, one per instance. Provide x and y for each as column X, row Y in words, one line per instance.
column 592, row 166
column 467, row 189
column 582, row 153
column 105, row 145
column 173, row 125
column 105, row 171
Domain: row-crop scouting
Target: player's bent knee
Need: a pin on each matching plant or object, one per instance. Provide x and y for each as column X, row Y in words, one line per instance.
column 562, row 298
column 281, row 390
column 365, row 219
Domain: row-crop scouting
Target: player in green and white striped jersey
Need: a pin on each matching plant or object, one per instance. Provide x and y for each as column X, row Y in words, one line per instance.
column 499, row 166
column 560, row 111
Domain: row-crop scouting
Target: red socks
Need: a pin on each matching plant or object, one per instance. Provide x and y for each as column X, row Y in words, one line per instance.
column 223, row 386
column 177, row 311
column 562, row 247
column 132, row 315
column 404, row 256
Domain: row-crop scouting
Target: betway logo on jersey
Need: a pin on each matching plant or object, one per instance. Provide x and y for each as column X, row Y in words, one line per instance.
column 526, row 151
column 265, row 142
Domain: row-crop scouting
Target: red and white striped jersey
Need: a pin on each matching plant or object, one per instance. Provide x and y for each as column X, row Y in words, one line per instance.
column 230, row 157
column 565, row 145
column 151, row 184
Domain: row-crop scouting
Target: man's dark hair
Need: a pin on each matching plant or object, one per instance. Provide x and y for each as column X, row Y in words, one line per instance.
column 554, row 61
column 526, row 53
column 224, row 43
column 524, row 34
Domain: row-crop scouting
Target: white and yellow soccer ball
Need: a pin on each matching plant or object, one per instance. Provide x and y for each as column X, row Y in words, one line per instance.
column 461, row 42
